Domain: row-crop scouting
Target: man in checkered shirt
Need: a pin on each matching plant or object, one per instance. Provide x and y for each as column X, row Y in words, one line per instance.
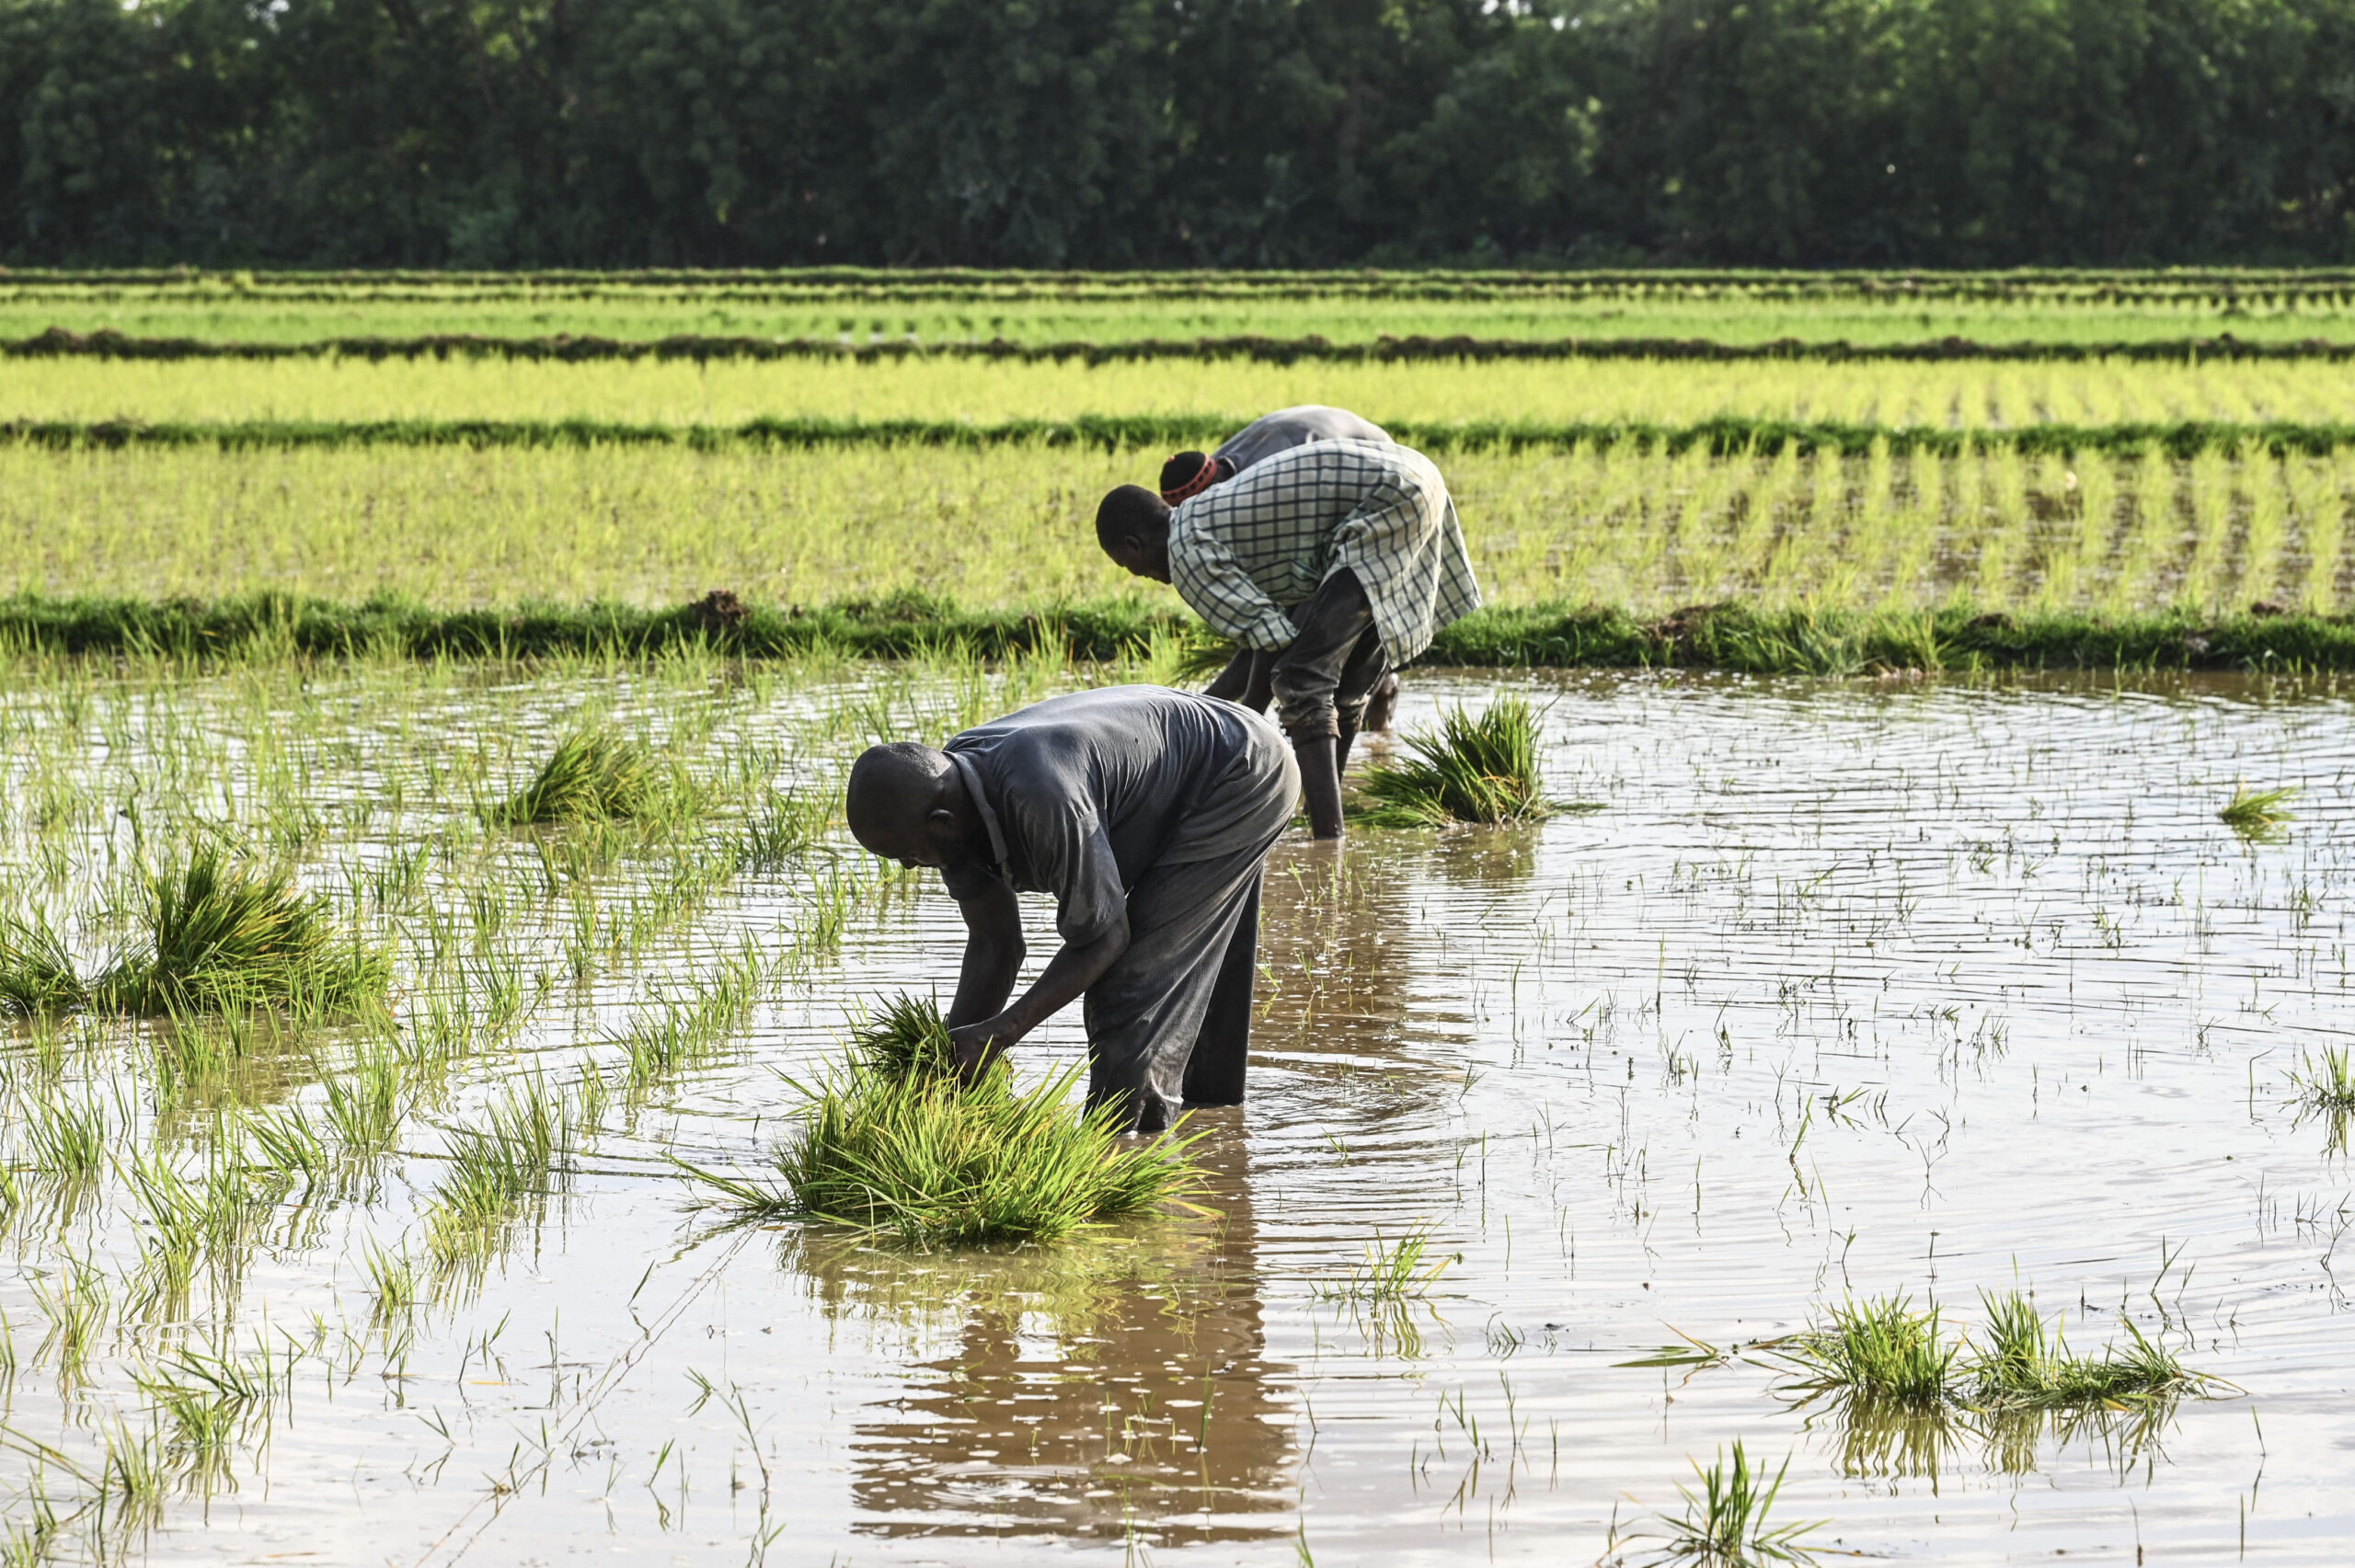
column 1342, row 557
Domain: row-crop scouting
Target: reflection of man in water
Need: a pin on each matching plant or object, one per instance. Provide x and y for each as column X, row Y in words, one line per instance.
column 1148, row 814
column 1247, row 678
column 1082, row 1408
column 1336, row 560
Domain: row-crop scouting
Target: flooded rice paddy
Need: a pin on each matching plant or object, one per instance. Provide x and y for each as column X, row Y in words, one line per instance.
column 1851, row 989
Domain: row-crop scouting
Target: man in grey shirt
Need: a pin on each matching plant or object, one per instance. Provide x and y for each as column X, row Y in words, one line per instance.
column 1191, row 472
column 1148, row 815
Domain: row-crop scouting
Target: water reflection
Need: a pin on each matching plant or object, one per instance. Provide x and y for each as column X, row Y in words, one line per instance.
column 1116, row 1387
column 1885, row 1440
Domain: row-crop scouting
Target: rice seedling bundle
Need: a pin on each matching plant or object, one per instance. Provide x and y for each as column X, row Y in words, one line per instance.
column 1481, row 770
column 907, row 1039
column 220, row 935
column 596, row 775
column 1884, row 1353
column 892, row 1145
column 2024, row 1365
column 1880, row 1349
column 2260, row 815
column 36, row 976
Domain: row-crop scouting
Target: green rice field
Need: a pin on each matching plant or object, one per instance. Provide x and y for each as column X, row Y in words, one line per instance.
column 1876, row 1087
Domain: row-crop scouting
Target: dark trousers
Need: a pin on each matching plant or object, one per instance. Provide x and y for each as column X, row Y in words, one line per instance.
column 1323, row 682
column 1169, row 1023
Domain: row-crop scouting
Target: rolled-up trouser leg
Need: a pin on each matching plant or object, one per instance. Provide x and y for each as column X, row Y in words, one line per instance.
column 1321, row 682
column 1223, row 1048
column 1146, row 1013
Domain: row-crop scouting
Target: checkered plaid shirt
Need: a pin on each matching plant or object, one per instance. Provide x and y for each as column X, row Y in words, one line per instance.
column 1244, row 552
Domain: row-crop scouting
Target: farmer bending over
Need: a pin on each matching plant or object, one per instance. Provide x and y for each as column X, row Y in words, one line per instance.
column 1148, row 814
column 1339, row 559
column 1245, row 679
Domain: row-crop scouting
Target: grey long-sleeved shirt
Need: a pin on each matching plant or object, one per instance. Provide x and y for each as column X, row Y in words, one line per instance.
column 1084, row 793
column 1288, row 427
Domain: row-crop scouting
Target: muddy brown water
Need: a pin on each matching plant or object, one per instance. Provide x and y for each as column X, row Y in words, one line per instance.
column 1850, row 990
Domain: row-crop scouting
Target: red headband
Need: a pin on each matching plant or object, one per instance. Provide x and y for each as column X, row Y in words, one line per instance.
column 1204, row 477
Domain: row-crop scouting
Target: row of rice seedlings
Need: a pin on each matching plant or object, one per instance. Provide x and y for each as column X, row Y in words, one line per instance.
column 499, row 1172
column 1884, row 1351
column 729, row 391
column 888, row 1145
column 1111, row 311
column 680, row 1035
column 1479, row 769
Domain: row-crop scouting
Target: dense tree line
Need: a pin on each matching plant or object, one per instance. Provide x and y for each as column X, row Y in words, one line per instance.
column 1159, row 132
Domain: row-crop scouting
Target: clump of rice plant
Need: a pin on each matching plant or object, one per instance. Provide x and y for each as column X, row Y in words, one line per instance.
column 2258, row 814
column 36, row 977
column 1480, row 769
column 909, row 1039
column 1724, row 1523
column 2023, row 1366
column 223, row 936
column 1390, row 1273
column 1881, row 1350
column 934, row 1162
column 596, row 775
column 2327, row 1085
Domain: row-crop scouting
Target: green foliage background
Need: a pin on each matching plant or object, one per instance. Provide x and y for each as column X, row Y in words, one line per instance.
column 1205, row 133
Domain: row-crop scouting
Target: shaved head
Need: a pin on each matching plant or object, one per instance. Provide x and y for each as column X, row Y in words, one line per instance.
column 1132, row 524
column 906, row 803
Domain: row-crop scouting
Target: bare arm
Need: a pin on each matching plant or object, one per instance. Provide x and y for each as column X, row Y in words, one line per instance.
column 994, row 954
column 1232, row 680
column 1071, row 971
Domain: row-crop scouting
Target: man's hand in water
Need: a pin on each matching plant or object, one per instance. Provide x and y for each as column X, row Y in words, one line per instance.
column 973, row 1047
